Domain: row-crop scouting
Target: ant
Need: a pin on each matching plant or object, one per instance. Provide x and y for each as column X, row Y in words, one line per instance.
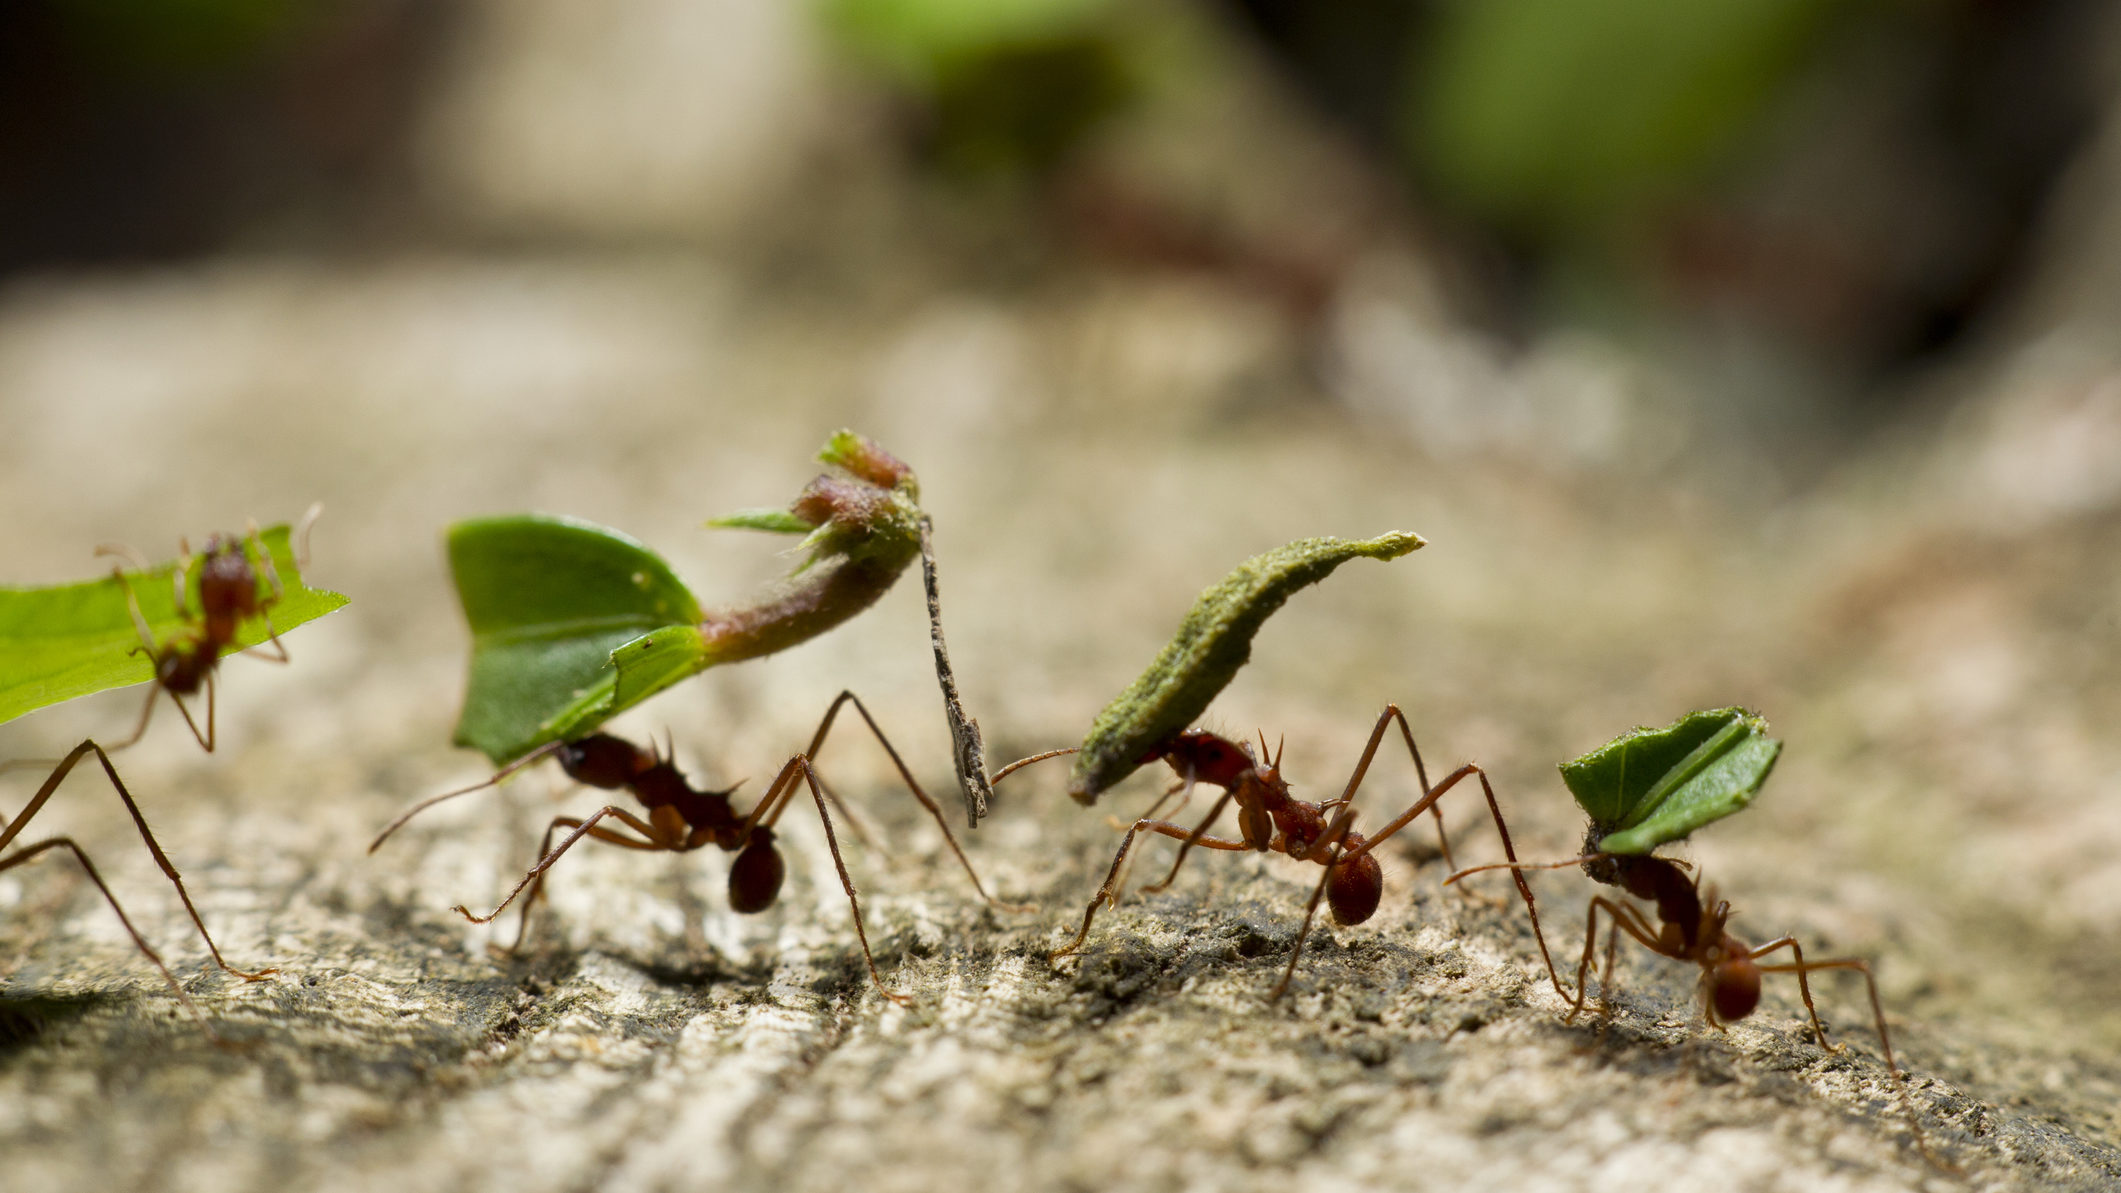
column 1270, row 819
column 681, row 819
column 1691, row 928
column 228, row 594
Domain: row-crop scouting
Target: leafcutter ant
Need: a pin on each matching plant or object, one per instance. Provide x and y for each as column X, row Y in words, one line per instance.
column 1649, row 787
column 681, row 818
column 228, row 595
column 1270, row 819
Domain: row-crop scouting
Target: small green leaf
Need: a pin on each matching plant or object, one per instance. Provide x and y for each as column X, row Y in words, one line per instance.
column 1650, row 786
column 1212, row 644
column 69, row 640
column 652, row 662
column 548, row 599
column 772, row 521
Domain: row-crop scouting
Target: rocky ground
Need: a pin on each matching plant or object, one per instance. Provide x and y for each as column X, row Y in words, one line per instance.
column 1924, row 605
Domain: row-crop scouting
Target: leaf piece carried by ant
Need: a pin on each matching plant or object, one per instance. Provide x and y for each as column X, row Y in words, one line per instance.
column 548, row 599
column 573, row 623
column 1214, row 641
column 1650, row 786
column 66, row 640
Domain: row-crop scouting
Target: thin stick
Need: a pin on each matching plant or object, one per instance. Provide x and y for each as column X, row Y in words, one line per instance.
column 969, row 753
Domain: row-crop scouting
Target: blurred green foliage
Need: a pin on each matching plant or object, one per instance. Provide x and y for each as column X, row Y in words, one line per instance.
column 1003, row 86
column 1552, row 117
column 176, row 39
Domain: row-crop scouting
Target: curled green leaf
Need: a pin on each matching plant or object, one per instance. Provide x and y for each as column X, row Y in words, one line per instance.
column 573, row 623
column 1212, row 644
column 548, row 599
column 66, row 640
column 1650, row 786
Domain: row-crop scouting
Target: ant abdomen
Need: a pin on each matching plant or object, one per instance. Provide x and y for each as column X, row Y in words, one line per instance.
column 1356, row 886
column 755, row 876
column 1734, row 987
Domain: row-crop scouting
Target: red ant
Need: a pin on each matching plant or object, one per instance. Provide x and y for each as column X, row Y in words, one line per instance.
column 681, row 819
column 228, row 593
column 1271, row 820
column 1691, row 928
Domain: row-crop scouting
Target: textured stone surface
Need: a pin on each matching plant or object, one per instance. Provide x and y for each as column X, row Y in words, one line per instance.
column 1945, row 806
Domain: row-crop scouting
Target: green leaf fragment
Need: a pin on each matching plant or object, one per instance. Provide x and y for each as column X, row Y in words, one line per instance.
column 573, row 623
column 548, row 599
column 66, row 640
column 1212, row 644
column 1650, row 786
column 773, row 521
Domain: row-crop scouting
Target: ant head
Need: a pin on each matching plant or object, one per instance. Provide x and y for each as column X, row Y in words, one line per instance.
column 603, row 761
column 755, row 876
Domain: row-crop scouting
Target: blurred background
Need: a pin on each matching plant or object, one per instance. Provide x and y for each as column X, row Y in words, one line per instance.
column 1758, row 352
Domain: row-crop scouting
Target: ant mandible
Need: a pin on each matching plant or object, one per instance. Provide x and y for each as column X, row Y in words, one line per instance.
column 681, row 819
column 1270, row 819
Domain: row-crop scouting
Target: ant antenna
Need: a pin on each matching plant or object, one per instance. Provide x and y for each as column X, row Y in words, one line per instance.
column 302, row 529
column 1021, row 763
column 543, row 751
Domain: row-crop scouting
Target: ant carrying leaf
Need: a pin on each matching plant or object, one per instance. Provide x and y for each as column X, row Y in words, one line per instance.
column 1649, row 787
column 182, row 619
column 573, row 623
column 1148, row 722
column 680, row 818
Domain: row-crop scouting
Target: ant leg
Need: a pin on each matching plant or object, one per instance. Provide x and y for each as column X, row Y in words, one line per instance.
column 1623, row 918
column 840, row 864
column 30, row 852
column 1199, row 832
column 1336, row 834
column 1605, row 984
column 154, row 848
column 272, row 635
column 206, row 739
column 1800, row 967
column 537, row 889
column 817, row 742
column 541, row 752
column 1427, row 803
column 868, row 834
column 1105, row 893
column 272, row 577
column 581, row 829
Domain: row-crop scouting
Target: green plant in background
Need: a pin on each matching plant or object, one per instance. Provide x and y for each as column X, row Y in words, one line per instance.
column 66, row 640
column 1554, row 117
column 1005, row 86
column 574, row 623
column 1650, row 786
column 1212, row 643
